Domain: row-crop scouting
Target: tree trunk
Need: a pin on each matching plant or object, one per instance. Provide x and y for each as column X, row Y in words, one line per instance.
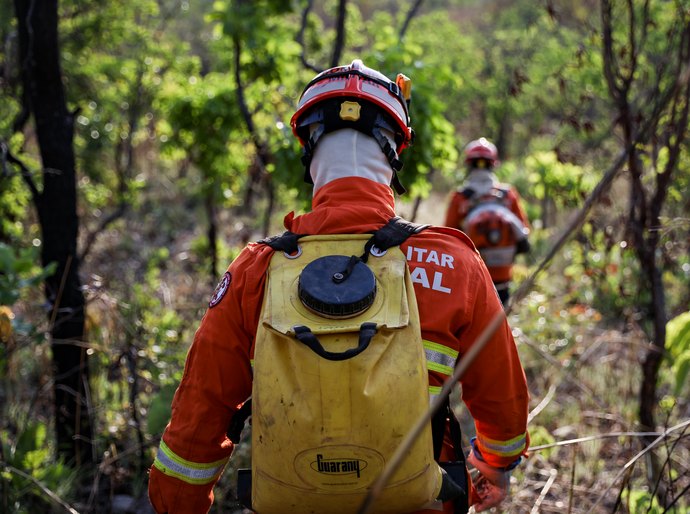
column 56, row 205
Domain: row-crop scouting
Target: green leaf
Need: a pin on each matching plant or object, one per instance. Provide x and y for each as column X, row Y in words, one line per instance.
column 682, row 368
column 159, row 411
column 678, row 335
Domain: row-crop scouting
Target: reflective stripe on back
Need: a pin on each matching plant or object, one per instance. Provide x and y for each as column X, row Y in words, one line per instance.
column 500, row 256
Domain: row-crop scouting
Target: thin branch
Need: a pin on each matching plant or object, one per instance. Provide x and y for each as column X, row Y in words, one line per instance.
column 571, row 492
column 632, row 46
column 26, row 173
column 339, row 34
column 300, row 37
column 677, row 137
column 403, row 449
column 682, row 494
column 244, row 109
column 105, row 222
column 408, row 18
column 595, row 437
column 637, row 457
column 263, row 155
column 50, row 494
column 667, row 462
column 607, row 51
column 542, row 495
column 542, row 404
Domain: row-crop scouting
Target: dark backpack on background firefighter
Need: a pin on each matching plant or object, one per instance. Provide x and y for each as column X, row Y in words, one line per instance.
column 340, row 378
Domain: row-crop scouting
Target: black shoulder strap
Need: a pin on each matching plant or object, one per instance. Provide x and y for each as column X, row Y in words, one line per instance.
column 393, row 233
column 438, row 430
column 286, row 242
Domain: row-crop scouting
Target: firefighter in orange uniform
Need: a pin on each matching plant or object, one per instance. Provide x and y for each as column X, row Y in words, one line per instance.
column 353, row 166
column 491, row 214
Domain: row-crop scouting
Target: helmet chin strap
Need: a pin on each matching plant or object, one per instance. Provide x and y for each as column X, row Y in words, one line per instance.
column 349, row 153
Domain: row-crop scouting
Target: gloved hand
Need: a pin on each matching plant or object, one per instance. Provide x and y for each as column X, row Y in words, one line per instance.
column 492, row 484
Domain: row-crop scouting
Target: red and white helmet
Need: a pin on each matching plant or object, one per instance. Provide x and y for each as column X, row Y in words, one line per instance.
column 358, row 81
column 355, row 96
column 481, row 148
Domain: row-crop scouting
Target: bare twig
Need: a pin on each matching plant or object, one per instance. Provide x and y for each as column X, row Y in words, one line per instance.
column 542, row 495
column 561, row 368
column 637, row 457
column 669, row 452
column 300, row 38
column 680, row 495
column 50, row 494
column 105, row 223
column 7, row 156
column 408, row 18
column 339, row 33
column 595, row 437
column 262, row 153
column 542, row 404
column 571, row 492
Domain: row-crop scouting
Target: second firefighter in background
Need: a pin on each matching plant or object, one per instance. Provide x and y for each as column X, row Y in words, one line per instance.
column 491, row 213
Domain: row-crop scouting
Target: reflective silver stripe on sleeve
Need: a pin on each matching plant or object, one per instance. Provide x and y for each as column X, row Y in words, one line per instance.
column 509, row 448
column 191, row 472
column 434, row 391
column 440, row 358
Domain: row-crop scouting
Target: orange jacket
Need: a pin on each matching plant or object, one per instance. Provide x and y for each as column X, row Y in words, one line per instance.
column 460, row 206
column 456, row 300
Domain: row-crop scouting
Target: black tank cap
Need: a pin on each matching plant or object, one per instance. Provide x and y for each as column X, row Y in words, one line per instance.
column 321, row 294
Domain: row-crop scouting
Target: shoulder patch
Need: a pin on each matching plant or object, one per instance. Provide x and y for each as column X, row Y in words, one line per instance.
column 220, row 290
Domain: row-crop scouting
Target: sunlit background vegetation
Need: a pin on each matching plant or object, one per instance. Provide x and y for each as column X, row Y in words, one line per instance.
column 184, row 153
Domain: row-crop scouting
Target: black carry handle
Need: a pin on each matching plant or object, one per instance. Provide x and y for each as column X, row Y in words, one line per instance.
column 305, row 336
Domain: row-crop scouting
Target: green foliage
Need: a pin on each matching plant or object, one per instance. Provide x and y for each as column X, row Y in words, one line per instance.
column 30, row 453
column 18, row 271
column 678, row 346
column 159, row 129
column 563, row 184
column 14, row 200
column 204, row 121
column 641, row 502
column 15, row 197
column 159, row 410
column 603, row 272
column 540, row 436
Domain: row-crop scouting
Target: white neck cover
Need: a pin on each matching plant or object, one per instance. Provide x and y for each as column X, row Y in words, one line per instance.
column 349, row 153
column 480, row 180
